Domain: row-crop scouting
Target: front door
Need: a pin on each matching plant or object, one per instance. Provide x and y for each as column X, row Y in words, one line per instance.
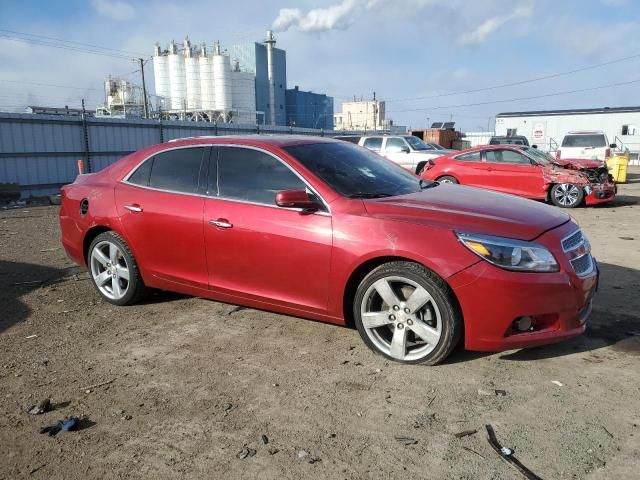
column 161, row 214
column 512, row 172
column 256, row 249
column 397, row 150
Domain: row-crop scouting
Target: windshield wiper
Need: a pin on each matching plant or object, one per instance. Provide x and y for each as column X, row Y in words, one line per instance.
column 369, row 195
column 424, row 185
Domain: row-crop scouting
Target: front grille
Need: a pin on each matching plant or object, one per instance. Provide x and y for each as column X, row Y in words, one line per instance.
column 573, row 241
column 583, row 265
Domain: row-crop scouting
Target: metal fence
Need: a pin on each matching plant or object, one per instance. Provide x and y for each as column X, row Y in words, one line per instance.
column 40, row 152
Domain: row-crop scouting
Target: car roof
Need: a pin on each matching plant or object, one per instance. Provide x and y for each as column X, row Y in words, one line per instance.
column 586, row 132
column 254, row 140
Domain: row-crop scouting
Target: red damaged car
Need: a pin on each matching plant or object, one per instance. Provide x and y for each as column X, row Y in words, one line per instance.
column 327, row 230
column 526, row 172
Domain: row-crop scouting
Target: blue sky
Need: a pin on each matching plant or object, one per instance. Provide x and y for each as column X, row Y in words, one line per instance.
column 399, row 49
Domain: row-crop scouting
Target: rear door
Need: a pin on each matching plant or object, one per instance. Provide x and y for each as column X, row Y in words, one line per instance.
column 256, row 249
column 160, row 206
column 469, row 169
column 510, row 171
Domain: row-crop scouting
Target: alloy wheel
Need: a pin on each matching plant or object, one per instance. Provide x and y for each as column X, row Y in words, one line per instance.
column 401, row 318
column 109, row 270
column 567, row 194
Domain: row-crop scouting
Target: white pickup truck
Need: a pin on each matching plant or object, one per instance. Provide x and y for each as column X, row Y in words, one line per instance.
column 585, row 145
column 406, row 150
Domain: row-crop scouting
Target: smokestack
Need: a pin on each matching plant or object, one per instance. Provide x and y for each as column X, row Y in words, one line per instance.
column 270, row 42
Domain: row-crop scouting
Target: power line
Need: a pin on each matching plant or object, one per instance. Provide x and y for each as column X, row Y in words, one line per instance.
column 555, row 94
column 521, row 82
column 49, row 85
column 63, row 41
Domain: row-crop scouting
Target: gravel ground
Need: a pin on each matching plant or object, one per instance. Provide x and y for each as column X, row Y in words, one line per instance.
column 191, row 385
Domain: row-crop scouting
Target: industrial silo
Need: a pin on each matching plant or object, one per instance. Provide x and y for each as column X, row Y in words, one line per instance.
column 192, row 74
column 177, row 78
column 243, row 88
column 222, row 80
column 207, row 87
column 161, row 77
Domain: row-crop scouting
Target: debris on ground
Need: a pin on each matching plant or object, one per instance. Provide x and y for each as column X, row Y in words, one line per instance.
column 626, row 238
column 272, row 450
column 303, row 454
column 67, row 425
column 245, row 453
column 41, row 407
column 406, row 441
column 465, row 433
column 473, row 451
column 264, row 439
column 88, row 389
column 237, row 309
column 507, row 455
column 556, row 382
column 491, row 392
column 31, row 336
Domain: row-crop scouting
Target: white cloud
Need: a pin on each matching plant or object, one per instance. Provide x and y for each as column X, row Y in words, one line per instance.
column 491, row 25
column 114, row 9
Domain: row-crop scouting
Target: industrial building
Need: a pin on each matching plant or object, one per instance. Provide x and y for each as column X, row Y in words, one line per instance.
column 361, row 115
column 308, row 109
column 547, row 128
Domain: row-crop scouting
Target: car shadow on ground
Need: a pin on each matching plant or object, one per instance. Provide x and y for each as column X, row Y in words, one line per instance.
column 17, row 279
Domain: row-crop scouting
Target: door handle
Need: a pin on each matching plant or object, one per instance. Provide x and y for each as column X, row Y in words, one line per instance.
column 135, row 208
column 221, row 223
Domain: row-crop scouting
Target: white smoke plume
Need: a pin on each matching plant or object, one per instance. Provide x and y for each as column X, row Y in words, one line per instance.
column 338, row 16
column 490, row 25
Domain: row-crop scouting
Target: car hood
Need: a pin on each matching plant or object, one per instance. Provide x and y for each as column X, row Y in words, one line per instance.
column 578, row 163
column 471, row 210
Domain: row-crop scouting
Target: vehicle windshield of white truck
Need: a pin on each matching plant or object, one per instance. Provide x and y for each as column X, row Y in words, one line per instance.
column 597, row 140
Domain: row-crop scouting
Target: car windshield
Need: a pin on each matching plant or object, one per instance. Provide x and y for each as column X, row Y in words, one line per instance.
column 356, row 172
column 584, row 141
column 435, row 146
column 538, row 155
column 416, row 143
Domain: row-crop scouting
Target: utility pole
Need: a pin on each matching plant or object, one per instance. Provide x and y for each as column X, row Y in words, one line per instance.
column 144, row 89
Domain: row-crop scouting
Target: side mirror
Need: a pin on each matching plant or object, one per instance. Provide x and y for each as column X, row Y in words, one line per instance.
column 405, row 149
column 296, row 199
column 534, row 146
column 613, row 145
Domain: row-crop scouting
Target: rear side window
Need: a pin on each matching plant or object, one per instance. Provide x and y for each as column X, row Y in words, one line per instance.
column 177, row 170
column 469, row 157
column 506, row 156
column 253, row 176
column 374, row 144
column 584, row 141
column 141, row 175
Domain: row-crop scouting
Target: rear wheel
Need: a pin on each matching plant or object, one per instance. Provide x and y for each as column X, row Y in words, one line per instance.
column 407, row 313
column 566, row 195
column 447, row 179
column 114, row 271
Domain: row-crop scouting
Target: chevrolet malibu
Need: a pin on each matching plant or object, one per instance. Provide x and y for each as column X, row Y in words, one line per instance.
column 330, row 231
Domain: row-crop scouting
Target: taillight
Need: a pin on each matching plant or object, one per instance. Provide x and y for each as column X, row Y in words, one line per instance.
column 558, row 154
column 607, row 153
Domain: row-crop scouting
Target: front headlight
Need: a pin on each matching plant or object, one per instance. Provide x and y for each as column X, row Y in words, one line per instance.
column 509, row 253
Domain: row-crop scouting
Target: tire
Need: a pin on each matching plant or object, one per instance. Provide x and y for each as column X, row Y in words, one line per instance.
column 566, row 195
column 391, row 330
column 109, row 249
column 447, row 179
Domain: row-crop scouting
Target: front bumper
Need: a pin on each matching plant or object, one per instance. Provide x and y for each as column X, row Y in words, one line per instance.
column 492, row 298
column 601, row 193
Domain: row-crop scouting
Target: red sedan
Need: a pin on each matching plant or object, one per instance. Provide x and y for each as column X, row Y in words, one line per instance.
column 527, row 172
column 327, row 230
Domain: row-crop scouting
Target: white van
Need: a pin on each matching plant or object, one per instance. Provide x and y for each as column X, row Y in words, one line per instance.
column 406, row 150
column 585, row 145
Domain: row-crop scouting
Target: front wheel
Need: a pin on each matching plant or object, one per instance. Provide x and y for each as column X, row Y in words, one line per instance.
column 566, row 195
column 407, row 313
column 114, row 271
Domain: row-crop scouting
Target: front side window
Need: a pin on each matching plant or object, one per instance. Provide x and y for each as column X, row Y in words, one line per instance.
column 395, row 145
column 469, row 157
column 416, row 143
column 177, row 170
column 374, row 143
column 253, row 176
column 506, row 156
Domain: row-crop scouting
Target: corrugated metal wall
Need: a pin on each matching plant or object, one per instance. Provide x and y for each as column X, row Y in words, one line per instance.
column 40, row 152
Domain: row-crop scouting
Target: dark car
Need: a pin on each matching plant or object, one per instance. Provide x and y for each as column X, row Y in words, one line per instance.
column 512, row 140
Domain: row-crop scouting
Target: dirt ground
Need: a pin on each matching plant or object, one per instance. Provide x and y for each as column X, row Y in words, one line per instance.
column 191, row 382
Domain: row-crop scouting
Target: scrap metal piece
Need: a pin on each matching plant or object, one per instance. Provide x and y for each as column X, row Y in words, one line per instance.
column 507, row 455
